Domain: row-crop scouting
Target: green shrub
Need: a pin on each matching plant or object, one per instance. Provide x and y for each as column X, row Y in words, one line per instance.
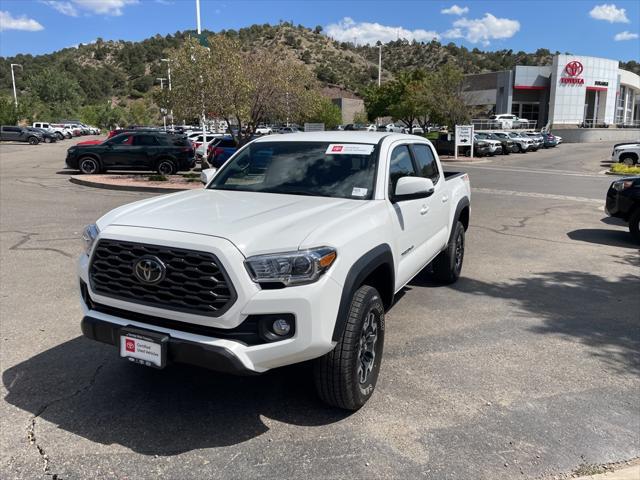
column 625, row 169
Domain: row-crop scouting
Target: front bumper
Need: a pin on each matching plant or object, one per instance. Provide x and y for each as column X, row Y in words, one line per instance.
column 314, row 306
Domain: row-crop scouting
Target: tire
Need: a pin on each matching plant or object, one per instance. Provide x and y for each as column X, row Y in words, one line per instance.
column 517, row 148
column 634, row 225
column 89, row 166
column 448, row 264
column 47, row 140
column 629, row 159
column 166, row 167
column 346, row 376
column 60, row 136
column 33, row 141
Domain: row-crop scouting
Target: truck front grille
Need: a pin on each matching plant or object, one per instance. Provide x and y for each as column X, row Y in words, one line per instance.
column 193, row 282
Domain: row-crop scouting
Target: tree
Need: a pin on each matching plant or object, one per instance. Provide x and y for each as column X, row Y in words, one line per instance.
column 445, row 100
column 8, row 113
column 242, row 87
column 57, row 90
column 324, row 111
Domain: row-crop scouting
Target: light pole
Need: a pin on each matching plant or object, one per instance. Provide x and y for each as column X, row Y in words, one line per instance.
column 379, row 64
column 169, row 77
column 204, row 134
column 13, row 80
column 163, row 110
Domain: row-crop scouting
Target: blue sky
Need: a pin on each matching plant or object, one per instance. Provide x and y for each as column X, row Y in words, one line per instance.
column 600, row 28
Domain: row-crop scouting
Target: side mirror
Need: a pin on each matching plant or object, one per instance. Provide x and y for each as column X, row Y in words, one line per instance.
column 207, row 174
column 410, row 188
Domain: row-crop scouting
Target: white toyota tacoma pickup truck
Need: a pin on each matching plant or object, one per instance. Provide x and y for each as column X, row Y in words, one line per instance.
column 293, row 251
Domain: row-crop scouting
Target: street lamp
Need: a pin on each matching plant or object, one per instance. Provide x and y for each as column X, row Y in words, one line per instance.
column 169, row 77
column 379, row 64
column 13, row 80
column 163, row 110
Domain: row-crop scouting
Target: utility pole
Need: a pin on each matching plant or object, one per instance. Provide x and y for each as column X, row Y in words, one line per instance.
column 13, row 80
column 169, row 76
column 379, row 64
column 163, row 110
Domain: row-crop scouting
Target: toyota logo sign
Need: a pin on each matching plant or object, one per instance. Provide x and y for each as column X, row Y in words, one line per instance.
column 574, row 68
column 149, row 269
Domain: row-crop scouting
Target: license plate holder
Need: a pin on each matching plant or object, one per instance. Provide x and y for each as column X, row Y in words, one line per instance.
column 143, row 346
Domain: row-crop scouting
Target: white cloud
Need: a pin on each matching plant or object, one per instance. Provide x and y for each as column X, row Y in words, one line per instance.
column 348, row 30
column 66, row 8
column 73, row 8
column 622, row 36
column 483, row 29
column 9, row 22
column 455, row 10
column 610, row 13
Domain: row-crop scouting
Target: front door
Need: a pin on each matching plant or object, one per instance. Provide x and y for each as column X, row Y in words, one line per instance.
column 117, row 152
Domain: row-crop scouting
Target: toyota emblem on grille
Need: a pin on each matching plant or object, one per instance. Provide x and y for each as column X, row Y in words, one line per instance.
column 149, row 269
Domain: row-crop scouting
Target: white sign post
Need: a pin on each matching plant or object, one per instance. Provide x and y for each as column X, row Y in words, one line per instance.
column 464, row 138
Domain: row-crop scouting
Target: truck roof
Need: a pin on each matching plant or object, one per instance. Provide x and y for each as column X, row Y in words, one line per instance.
column 337, row 137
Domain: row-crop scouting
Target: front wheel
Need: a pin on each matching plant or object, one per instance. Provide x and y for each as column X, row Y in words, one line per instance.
column 628, row 159
column 89, row 166
column 60, row 136
column 447, row 266
column 33, row 141
column 347, row 376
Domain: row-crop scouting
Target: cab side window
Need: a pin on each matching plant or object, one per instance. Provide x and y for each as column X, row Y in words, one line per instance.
column 427, row 165
column 144, row 140
column 400, row 166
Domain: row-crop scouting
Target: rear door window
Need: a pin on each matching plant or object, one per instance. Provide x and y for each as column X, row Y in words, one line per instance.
column 144, row 140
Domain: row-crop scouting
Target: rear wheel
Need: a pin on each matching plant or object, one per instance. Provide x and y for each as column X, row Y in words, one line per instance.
column 89, row 166
column 47, row 140
column 629, row 159
column 448, row 265
column 634, row 225
column 166, row 167
column 33, row 141
column 347, row 376
column 60, row 136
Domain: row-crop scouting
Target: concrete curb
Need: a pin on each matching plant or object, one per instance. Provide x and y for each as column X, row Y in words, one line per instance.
column 129, row 188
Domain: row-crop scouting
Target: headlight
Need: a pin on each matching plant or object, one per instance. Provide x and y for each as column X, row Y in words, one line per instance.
column 622, row 185
column 89, row 235
column 291, row 268
column 481, row 144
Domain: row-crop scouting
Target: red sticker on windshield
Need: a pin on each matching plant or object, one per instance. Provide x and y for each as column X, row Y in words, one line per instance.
column 337, row 148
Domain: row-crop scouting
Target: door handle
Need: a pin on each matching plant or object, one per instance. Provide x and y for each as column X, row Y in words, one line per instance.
column 424, row 210
column 445, row 199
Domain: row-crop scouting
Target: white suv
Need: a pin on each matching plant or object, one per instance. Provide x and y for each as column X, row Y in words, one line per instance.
column 293, row 251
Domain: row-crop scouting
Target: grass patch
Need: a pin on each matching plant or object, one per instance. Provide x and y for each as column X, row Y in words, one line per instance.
column 432, row 135
column 625, row 169
column 157, row 178
column 586, row 469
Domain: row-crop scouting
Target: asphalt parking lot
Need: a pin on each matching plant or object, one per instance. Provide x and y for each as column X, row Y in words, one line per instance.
column 528, row 367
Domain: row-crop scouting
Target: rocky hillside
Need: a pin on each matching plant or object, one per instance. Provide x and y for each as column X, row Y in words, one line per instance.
column 119, row 70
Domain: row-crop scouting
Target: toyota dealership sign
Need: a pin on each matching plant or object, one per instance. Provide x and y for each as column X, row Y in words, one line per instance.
column 573, row 70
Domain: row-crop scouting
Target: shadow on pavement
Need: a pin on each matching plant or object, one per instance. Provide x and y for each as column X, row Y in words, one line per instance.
column 82, row 387
column 601, row 313
column 614, row 238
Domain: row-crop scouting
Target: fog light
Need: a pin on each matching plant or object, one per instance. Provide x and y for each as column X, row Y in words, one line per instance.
column 281, row 327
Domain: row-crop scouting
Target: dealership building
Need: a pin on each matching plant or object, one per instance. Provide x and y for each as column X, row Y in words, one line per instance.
column 573, row 91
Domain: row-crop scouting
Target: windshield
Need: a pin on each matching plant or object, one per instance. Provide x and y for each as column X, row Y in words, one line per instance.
column 345, row 170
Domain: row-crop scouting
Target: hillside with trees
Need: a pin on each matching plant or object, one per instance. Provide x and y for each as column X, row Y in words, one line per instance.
column 109, row 82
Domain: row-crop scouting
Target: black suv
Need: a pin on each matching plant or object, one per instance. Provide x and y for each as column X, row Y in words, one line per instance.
column 11, row 133
column 623, row 201
column 163, row 153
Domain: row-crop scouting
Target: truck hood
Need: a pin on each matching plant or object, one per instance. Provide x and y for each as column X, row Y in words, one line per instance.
column 254, row 222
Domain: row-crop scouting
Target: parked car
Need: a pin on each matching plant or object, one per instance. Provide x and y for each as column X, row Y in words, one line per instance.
column 58, row 130
column 66, row 132
column 210, row 137
column 627, row 153
column 220, row 151
column 506, row 121
column 623, row 201
column 393, row 128
column 263, row 130
column 494, row 146
column 293, row 252
column 522, row 144
column 550, row 140
column 416, row 130
column 538, row 139
column 290, row 130
column 47, row 137
column 11, row 133
column 445, row 145
column 507, row 144
column 165, row 154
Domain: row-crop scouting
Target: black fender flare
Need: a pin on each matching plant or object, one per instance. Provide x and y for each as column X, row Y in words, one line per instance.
column 359, row 271
column 462, row 204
